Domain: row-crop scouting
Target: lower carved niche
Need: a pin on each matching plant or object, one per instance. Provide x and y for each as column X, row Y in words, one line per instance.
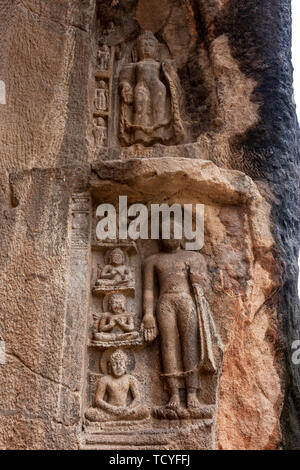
column 161, row 318
column 117, row 395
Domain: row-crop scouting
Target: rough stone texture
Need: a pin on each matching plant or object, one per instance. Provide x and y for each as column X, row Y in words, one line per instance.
column 271, row 150
column 39, row 401
column 44, row 56
column 233, row 61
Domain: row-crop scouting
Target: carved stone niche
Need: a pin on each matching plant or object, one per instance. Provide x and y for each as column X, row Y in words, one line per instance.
column 115, row 392
column 202, row 315
column 175, row 87
column 115, row 309
column 151, row 109
column 148, row 100
column 115, row 275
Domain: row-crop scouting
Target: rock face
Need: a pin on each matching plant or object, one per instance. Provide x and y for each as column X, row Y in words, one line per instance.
column 134, row 342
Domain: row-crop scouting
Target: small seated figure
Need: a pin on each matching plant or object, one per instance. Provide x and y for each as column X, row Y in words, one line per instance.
column 117, row 395
column 117, row 324
column 116, row 272
column 151, row 108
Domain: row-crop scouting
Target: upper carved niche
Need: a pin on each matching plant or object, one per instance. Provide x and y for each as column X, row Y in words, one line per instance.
column 157, row 54
column 151, row 108
column 116, row 326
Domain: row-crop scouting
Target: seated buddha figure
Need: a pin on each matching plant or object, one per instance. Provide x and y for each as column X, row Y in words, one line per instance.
column 117, row 396
column 117, row 324
column 115, row 273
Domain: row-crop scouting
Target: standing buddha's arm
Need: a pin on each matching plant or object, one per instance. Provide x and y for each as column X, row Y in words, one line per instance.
column 149, row 323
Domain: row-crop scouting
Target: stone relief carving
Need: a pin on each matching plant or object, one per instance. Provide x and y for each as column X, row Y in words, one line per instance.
column 103, row 57
column 116, row 324
column 138, row 100
column 165, row 316
column 110, row 29
column 116, row 275
column 184, row 322
column 150, row 95
column 100, row 132
column 179, row 315
column 156, row 63
column 176, row 345
column 80, row 220
column 101, row 97
column 117, row 396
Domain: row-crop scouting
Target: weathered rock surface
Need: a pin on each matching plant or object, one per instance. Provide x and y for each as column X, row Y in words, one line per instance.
column 240, row 159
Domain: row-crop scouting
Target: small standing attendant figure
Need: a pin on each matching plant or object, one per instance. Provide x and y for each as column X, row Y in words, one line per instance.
column 103, row 57
column 101, row 99
column 100, row 132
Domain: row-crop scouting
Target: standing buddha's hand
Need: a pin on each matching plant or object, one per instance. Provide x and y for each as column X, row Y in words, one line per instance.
column 149, row 328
